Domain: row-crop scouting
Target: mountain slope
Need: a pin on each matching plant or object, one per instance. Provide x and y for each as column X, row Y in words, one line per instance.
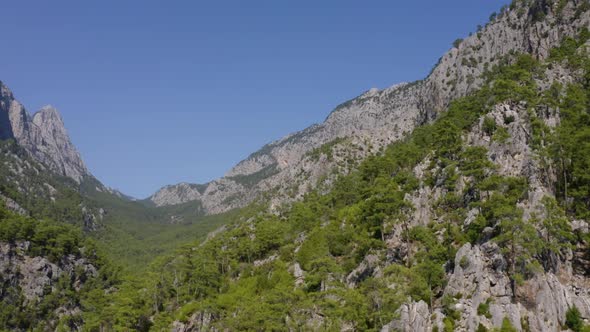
column 359, row 127
column 43, row 135
column 468, row 224
column 52, row 276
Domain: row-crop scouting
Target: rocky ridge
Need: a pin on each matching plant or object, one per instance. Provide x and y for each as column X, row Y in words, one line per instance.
column 379, row 117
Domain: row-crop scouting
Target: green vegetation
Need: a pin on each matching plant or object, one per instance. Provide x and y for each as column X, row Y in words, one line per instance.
column 76, row 289
column 314, row 263
column 573, row 319
column 28, row 183
column 566, row 147
column 251, row 180
column 326, row 149
column 483, row 309
column 327, row 235
column 489, row 125
column 507, row 326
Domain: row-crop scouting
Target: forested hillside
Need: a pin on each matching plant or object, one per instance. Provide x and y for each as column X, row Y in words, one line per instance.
column 473, row 222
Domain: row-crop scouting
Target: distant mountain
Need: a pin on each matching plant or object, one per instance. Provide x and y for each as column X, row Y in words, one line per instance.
column 292, row 165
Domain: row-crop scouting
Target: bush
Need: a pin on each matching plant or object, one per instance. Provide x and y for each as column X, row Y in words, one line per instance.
column 501, row 136
column 573, row 319
column 489, row 125
column 464, row 263
column 481, row 328
column 507, row 326
column 483, row 309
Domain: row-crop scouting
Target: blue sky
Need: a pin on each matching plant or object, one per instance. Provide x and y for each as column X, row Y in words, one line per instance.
column 159, row 92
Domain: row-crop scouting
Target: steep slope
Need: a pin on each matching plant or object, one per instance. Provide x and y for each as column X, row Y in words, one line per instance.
column 472, row 223
column 43, row 135
column 363, row 125
column 52, row 278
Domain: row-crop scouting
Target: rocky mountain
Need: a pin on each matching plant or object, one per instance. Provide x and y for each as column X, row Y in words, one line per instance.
column 464, row 226
column 43, row 135
column 361, row 126
column 457, row 203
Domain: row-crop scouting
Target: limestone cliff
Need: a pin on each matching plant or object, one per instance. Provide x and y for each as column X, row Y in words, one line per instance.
column 376, row 118
column 43, row 135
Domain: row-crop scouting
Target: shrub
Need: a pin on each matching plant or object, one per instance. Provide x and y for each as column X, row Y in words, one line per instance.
column 481, row 328
column 507, row 326
column 483, row 309
column 464, row 263
column 489, row 125
column 573, row 319
column 501, row 135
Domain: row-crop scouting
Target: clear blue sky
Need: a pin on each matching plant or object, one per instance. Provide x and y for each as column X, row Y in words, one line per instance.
column 158, row 92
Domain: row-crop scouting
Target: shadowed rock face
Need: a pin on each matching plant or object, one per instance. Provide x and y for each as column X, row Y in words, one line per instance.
column 43, row 135
column 379, row 117
column 5, row 100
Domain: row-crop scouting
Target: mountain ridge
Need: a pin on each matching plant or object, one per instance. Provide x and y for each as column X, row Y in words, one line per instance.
column 376, row 118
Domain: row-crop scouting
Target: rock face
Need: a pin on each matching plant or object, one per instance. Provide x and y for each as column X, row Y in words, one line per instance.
column 414, row 316
column 43, row 135
column 28, row 279
column 12, row 205
column 379, row 117
column 177, row 194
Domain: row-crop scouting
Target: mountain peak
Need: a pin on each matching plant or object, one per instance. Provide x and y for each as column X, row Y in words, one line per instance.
column 49, row 110
column 5, row 91
column 43, row 135
column 48, row 117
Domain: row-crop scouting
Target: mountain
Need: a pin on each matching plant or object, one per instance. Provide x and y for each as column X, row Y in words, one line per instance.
column 475, row 220
column 362, row 126
column 460, row 202
column 43, row 135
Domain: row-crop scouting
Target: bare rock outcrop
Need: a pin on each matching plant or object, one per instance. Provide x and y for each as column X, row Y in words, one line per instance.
column 414, row 316
column 43, row 135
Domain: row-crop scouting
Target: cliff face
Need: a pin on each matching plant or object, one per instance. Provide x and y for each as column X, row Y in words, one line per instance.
column 361, row 126
column 36, row 276
column 43, row 135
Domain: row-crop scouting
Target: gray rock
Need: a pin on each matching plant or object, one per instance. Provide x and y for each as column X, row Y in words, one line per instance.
column 367, row 268
column 413, row 317
column 13, row 206
column 379, row 117
column 43, row 135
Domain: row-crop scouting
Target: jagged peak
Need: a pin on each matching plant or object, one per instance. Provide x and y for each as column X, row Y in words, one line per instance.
column 5, row 91
column 47, row 112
